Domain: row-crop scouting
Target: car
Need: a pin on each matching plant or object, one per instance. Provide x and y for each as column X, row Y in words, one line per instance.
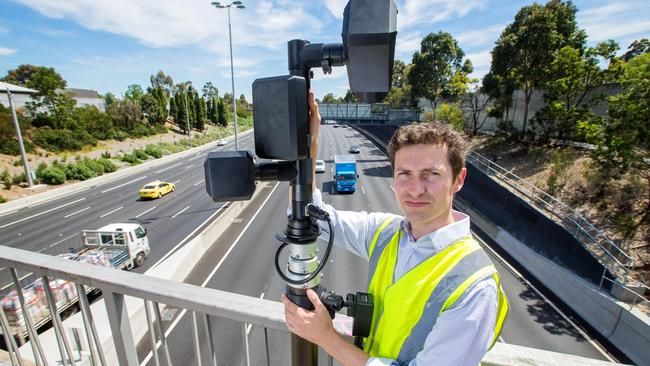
column 222, row 142
column 156, row 189
column 354, row 149
column 320, row 166
column 336, row 126
column 344, row 126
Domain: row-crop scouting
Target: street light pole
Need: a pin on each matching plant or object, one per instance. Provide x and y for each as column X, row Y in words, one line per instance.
column 239, row 5
column 20, row 140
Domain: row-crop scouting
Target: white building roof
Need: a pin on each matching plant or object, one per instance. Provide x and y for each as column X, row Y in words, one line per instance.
column 15, row 89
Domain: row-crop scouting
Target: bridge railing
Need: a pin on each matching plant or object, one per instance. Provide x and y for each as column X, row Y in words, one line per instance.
column 123, row 291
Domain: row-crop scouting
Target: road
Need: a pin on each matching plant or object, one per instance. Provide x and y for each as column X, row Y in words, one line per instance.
column 248, row 269
column 168, row 220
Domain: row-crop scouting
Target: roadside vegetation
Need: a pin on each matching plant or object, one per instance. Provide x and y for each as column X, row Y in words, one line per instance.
column 52, row 124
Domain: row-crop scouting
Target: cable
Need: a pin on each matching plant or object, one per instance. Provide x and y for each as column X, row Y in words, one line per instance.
column 321, row 265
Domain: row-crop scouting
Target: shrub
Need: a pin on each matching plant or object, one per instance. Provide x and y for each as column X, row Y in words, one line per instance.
column 140, row 154
column 93, row 165
column 130, row 158
column 106, row 155
column 2, row 199
column 153, row 151
column 19, row 178
column 52, row 175
column 120, row 135
column 79, row 171
column 59, row 140
column 109, row 167
column 140, row 130
column 6, row 179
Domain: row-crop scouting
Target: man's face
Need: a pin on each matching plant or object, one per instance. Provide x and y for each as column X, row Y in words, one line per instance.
column 424, row 187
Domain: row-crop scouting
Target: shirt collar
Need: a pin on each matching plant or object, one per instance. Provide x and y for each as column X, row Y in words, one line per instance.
column 442, row 237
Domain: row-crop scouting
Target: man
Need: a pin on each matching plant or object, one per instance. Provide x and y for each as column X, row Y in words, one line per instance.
column 437, row 295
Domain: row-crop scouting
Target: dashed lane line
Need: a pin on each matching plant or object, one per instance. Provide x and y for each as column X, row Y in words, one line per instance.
column 76, row 212
column 110, row 212
column 123, row 184
column 42, row 213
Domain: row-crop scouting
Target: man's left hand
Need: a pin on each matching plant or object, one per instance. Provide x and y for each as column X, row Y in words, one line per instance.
column 314, row 326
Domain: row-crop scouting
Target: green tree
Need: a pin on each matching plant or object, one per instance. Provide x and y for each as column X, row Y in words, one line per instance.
column 134, row 93
column 638, row 47
column 152, row 109
column 162, row 81
column 400, row 95
column 434, row 67
column 573, row 76
column 221, row 111
column 213, row 113
column 329, row 98
column 20, row 75
column 210, row 91
column 527, row 46
column 350, row 97
column 173, row 109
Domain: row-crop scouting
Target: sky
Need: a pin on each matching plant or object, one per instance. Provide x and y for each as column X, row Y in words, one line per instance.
column 106, row 45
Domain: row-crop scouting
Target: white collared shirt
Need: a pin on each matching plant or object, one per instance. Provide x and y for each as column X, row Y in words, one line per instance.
column 461, row 334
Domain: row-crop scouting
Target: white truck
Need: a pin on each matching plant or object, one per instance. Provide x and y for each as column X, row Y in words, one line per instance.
column 120, row 246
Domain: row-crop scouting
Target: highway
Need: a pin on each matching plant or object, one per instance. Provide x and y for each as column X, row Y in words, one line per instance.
column 247, row 268
column 168, row 220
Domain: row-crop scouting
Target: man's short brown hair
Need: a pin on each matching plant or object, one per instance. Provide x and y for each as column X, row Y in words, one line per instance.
column 434, row 134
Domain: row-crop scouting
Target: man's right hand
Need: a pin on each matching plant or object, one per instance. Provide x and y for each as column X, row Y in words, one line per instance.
column 314, row 120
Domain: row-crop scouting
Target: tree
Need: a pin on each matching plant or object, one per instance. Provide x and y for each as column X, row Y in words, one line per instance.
column 329, row 98
column 173, row 109
column 155, row 113
column 210, row 91
column 527, row 46
column 221, row 111
column 638, row 47
column 20, row 75
column 474, row 103
column 434, row 66
column 350, row 97
column 568, row 92
column 400, row 95
column 213, row 112
column 162, row 81
column 134, row 93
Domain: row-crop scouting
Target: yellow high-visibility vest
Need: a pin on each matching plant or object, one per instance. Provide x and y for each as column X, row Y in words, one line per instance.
column 406, row 310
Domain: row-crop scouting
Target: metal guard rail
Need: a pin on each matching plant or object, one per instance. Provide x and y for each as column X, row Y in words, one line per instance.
column 203, row 302
column 616, row 261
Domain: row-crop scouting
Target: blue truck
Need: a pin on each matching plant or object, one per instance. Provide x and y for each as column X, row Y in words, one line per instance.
column 346, row 173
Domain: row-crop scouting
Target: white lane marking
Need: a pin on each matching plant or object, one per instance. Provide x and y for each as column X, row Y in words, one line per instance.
column 110, row 212
column 196, row 157
column 363, row 190
column 61, row 241
column 199, row 182
column 145, row 212
column 169, row 167
column 249, row 326
column 42, row 213
column 123, row 184
column 524, row 280
column 189, row 166
column 74, row 213
column 176, row 182
column 182, row 313
column 12, row 284
column 180, row 212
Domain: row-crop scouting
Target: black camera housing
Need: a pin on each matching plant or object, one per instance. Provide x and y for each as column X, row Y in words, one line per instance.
column 281, row 119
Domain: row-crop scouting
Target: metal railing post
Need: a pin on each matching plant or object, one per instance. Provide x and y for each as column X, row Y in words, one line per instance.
column 121, row 329
column 33, row 335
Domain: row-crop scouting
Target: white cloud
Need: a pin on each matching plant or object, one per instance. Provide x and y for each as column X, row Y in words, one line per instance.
column 240, row 74
column 237, row 62
column 6, row 51
column 336, row 7
column 480, row 37
column 616, row 20
column 481, row 61
column 337, row 73
column 4, row 30
column 407, row 44
column 423, row 12
column 266, row 24
column 55, row 32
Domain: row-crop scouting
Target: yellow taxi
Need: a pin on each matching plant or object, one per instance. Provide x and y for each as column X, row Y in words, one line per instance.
column 156, row 189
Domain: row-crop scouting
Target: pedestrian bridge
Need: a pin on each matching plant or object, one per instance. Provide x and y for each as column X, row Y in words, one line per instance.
column 367, row 114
